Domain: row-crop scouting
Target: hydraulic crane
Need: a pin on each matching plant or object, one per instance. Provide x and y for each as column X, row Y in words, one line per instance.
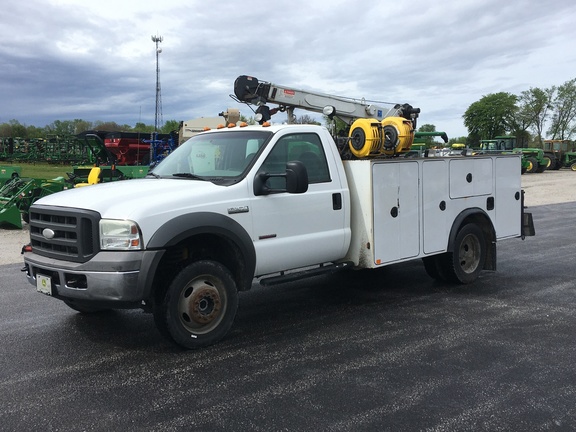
column 373, row 130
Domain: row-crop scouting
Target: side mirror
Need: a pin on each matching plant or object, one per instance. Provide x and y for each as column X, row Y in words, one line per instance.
column 296, row 177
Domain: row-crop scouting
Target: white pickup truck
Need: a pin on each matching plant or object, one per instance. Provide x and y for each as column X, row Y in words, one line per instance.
column 273, row 203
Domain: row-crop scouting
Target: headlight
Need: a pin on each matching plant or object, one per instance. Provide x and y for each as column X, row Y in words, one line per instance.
column 119, row 235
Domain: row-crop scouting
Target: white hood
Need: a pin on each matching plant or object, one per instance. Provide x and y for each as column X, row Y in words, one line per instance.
column 139, row 199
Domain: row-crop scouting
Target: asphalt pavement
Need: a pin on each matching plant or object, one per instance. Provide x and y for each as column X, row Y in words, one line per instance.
column 385, row 350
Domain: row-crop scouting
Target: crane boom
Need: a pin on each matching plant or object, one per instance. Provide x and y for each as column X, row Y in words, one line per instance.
column 250, row 90
column 372, row 130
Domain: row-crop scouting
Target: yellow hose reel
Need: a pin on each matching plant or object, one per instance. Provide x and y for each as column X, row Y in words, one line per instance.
column 369, row 137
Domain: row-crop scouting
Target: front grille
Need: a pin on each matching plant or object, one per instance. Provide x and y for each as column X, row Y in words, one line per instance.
column 75, row 233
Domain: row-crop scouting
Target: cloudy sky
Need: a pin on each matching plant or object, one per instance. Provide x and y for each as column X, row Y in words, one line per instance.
column 95, row 60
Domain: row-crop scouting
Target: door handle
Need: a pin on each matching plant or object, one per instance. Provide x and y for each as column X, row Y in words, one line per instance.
column 337, row 201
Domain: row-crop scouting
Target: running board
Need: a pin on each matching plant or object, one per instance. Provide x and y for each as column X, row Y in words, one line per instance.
column 303, row 274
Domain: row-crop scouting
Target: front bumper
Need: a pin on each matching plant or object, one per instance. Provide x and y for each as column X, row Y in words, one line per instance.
column 109, row 277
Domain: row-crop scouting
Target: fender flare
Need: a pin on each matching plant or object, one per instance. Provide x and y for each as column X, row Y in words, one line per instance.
column 188, row 225
column 458, row 221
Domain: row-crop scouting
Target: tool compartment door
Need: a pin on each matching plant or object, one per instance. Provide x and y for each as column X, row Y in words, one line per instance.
column 508, row 203
column 470, row 177
column 435, row 205
column 396, row 216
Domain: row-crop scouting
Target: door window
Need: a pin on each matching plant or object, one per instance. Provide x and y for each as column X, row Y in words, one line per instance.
column 306, row 148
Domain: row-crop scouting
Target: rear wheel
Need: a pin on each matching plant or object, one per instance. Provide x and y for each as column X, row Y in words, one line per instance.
column 199, row 306
column 435, row 267
column 549, row 161
column 466, row 261
column 573, row 166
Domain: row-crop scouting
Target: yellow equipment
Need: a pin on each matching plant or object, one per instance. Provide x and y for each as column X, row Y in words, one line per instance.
column 391, row 136
column 93, row 177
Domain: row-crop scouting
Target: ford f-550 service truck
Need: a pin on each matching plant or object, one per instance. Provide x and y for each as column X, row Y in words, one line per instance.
column 272, row 203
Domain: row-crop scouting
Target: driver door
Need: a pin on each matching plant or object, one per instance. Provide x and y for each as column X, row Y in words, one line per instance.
column 296, row 230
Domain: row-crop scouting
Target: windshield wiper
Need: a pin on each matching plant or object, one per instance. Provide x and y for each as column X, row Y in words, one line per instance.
column 153, row 175
column 188, row 175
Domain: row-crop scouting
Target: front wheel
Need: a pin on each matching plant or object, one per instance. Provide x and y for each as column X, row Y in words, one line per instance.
column 532, row 165
column 199, row 306
column 466, row 261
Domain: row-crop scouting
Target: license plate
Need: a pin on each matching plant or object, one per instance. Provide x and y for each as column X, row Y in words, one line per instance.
column 43, row 284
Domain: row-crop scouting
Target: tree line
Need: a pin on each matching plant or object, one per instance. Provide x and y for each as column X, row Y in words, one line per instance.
column 530, row 116
column 15, row 129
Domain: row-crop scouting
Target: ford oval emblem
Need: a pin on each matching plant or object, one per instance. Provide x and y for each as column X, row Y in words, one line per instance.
column 48, row 233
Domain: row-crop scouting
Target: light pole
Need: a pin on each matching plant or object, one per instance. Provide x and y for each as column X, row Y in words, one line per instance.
column 158, row 114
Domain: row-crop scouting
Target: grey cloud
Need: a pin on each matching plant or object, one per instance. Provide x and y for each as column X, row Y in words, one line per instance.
column 441, row 55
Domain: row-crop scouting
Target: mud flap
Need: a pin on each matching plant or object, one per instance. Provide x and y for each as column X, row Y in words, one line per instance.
column 526, row 220
column 527, row 225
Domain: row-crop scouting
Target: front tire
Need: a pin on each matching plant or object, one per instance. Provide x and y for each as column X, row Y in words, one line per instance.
column 532, row 165
column 466, row 261
column 199, row 305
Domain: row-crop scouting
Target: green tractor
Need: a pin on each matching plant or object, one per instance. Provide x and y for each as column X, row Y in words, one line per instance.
column 8, row 172
column 561, row 153
column 18, row 194
column 503, row 146
column 533, row 159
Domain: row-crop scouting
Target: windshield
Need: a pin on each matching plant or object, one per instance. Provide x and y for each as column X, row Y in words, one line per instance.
column 218, row 156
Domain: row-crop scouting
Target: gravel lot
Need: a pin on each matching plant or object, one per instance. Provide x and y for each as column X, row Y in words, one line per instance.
column 550, row 187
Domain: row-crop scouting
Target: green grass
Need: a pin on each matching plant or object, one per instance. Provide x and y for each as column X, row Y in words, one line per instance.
column 44, row 170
